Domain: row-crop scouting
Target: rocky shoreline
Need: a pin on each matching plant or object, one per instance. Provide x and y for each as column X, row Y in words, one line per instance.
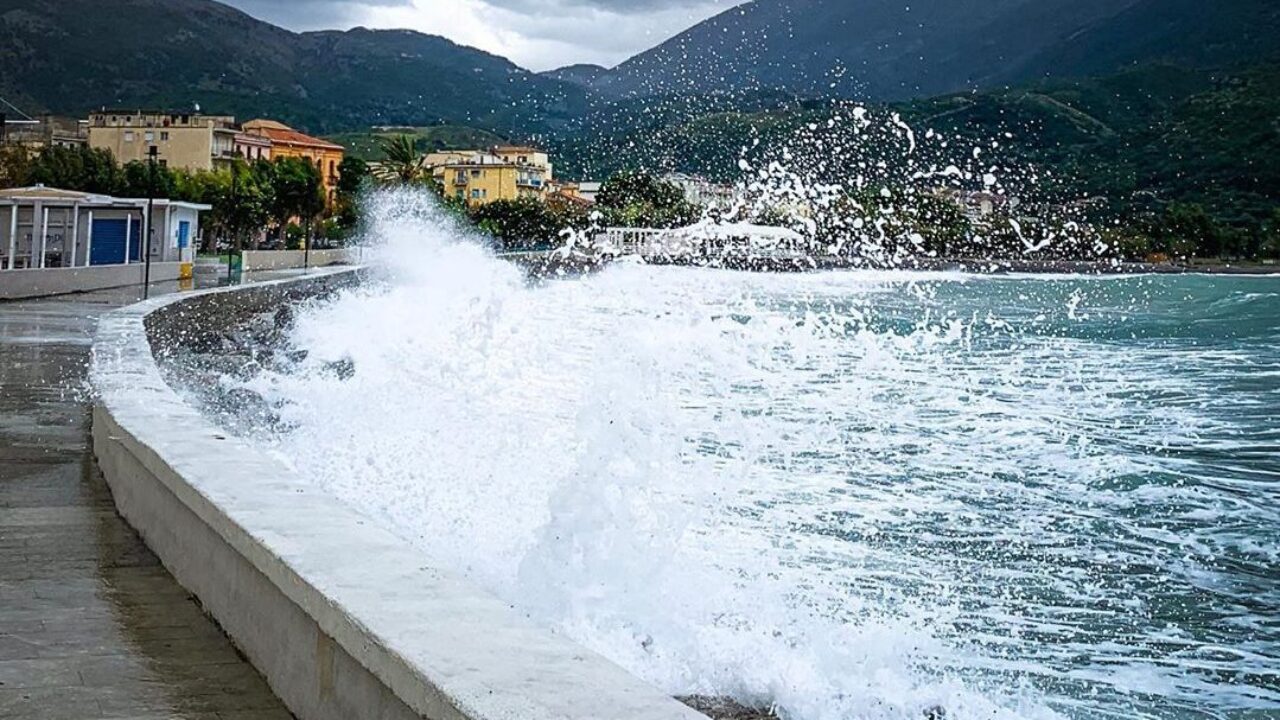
column 556, row 263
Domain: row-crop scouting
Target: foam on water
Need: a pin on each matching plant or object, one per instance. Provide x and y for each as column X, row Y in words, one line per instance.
column 849, row 495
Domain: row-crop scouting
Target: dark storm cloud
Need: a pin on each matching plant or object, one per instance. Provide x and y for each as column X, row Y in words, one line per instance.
column 313, row 14
column 538, row 34
column 620, row 7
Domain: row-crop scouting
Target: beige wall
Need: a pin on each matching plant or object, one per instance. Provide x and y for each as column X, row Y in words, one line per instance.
column 189, row 142
column 527, row 156
column 186, row 148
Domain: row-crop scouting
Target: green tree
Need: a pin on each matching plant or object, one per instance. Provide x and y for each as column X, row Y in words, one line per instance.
column 353, row 175
column 140, row 177
column 526, row 223
column 1270, row 245
column 637, row 199
column 15, row 166
column 296, row 191
column 101, row 173
column 238, row 197
column 1187, row 229
column 59, row 167
column 79, row 168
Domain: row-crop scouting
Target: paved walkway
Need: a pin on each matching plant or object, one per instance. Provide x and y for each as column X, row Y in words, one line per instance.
column 91, row 625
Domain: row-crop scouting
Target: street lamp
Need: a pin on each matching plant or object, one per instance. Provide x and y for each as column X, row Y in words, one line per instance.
column 235, row 226
column 152, row 150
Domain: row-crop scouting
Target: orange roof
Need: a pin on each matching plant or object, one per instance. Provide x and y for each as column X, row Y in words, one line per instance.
column 282, row 134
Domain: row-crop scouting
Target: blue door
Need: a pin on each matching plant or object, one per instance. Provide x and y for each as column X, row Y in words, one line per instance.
column 135, row 240
column 109, row 242
column 184, row 234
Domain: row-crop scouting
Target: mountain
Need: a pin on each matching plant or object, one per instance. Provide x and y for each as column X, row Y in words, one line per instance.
column 1135, row 142
column 894, row 49
column 71, row 56
column 582, row 74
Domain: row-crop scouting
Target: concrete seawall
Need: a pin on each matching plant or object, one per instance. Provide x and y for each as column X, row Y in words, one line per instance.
column 342, row 618
column 23, row 284
column 258, row 260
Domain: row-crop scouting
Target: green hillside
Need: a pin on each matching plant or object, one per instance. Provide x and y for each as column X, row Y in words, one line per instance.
column 1140, row 141
column 890, row 49
column 367, row 145
column 72, row 56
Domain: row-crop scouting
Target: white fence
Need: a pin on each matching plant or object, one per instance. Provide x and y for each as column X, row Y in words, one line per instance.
column 704, row 241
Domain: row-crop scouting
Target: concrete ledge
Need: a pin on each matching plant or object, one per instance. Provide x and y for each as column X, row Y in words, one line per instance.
column 256, row 260
column 22, row 284
column 341, row 617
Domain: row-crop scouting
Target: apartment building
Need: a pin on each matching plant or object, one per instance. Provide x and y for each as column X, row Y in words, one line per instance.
column 287, row 142
column 185, row 140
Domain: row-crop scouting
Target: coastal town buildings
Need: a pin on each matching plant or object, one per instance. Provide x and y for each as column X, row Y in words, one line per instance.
column 185, row 140
column 483, row 176
column 701, row 191
column 527, row 156
column 252, row 147
column 43, row 131
column 589, row 190
column 287, row 142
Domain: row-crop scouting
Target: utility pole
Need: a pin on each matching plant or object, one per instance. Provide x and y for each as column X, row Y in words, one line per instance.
column 235, row 228
column 152, row 150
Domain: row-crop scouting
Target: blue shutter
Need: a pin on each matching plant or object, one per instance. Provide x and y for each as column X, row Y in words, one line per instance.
column 108, row 242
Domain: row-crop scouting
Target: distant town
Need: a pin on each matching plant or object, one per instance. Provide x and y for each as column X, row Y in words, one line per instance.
column 206, row 188
column 75, row 188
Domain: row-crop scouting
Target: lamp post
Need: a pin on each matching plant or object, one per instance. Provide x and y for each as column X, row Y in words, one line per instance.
column 235, row 227
column 147, row 229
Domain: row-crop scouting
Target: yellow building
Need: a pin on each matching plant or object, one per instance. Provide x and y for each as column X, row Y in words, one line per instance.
column 503, row 173
column 484, row 178
column 287, row 142
column 187, row 141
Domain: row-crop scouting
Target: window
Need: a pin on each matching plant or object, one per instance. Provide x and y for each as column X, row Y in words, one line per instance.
column 164, row 136
column 164, row 163
column 523, row 160
column 128, row 136
column 461, row 194
column 150, row 136
column 477, row 173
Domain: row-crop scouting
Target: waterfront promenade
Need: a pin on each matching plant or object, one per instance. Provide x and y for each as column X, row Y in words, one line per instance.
column 91, row 625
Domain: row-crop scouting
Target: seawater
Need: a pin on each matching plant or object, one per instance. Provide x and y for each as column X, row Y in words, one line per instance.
column 843, row 495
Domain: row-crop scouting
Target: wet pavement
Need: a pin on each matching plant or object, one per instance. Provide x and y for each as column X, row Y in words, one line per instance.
column 91, row 625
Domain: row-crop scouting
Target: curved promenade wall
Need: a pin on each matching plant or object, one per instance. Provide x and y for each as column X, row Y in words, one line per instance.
column 342, row 618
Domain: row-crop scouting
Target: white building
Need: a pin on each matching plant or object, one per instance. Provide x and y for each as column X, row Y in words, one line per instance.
column 589, row 190
column 700, row 191
column 49, row 228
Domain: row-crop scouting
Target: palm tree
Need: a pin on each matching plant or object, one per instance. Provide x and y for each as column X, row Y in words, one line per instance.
column 402, row 164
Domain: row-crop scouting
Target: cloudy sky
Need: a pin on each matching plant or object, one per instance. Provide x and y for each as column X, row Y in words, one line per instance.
column 537, row 34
